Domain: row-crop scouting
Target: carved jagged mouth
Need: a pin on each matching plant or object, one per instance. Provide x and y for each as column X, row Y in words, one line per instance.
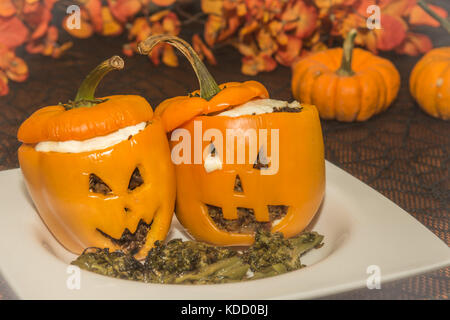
column 131, row 242
column 246, row 222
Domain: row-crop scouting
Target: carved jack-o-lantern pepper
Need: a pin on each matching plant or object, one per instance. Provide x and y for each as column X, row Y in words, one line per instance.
column 429, row 82
column 99, row 170
column 220, row 198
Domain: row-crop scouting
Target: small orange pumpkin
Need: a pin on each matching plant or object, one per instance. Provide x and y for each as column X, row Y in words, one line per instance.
column 429, row 83
column 359, row 87
column 226, row 205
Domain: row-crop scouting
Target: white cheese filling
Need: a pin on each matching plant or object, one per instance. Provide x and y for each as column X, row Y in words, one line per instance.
column 254, row 107
column 258, row 106
column 97, row 143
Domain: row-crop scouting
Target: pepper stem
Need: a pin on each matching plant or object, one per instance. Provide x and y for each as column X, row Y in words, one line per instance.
column 347, row 54
column 444, row 22
column 208, row 86
column 85, row 95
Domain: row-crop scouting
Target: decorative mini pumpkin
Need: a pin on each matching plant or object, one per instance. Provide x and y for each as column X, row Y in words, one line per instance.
column 361, row 86
column 99, row 170
column 429, row 82
column 224, row 203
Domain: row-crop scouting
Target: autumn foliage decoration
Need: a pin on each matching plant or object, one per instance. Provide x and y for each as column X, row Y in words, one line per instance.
column 267, row 33
column 271, row 32
column 138, row 18
column 28, row 23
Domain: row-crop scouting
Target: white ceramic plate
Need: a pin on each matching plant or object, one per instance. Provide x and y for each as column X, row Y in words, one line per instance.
column 361, row 228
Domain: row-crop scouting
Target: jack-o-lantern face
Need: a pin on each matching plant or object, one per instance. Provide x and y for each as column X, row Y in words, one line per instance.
column 225, row 202
column 99, row 170
column 121, row 197
column 225, row 206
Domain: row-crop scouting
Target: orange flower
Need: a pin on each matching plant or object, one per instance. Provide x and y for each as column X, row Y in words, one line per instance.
column 94, row 9
column 162, row 22
column 163, row 3
column 11, row 68
column 111, row 27
column 37, row 15
column 13, row 32
column 287, row 54
column 48, row 45
column 327, row 4
column 264, row 31
column 86, row 28
column 212, row 7
column 213, row 27
column 392, row 34
column 123, row 10
column 7, row 8
column 252, row 65
column 301, row 17
column 415, row 44
column 4, row 89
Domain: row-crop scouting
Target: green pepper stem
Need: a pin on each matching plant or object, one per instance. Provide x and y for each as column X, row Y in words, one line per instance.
column 87, row 89
column 347, row 54
column 444, row 22
column 208, row 86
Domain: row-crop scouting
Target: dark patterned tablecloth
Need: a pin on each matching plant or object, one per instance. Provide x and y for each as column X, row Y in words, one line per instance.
column 402, row 153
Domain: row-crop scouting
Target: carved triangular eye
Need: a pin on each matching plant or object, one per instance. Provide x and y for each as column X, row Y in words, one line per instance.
column 261, row 160
column 238, row 184
column 136, row 180
column 97, row 185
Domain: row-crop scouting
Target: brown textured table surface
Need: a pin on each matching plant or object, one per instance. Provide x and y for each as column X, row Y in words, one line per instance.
column 402, row 153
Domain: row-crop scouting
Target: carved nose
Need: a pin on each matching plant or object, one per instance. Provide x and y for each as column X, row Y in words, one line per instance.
column 126, row 209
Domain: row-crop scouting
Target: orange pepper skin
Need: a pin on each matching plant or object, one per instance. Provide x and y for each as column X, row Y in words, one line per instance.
column 299, row 182
column 59, row 186
column 54, row 123
column 176, row 111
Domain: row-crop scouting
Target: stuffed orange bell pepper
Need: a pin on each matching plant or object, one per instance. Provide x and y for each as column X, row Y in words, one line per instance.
column 243, row 161
column 99, row 170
